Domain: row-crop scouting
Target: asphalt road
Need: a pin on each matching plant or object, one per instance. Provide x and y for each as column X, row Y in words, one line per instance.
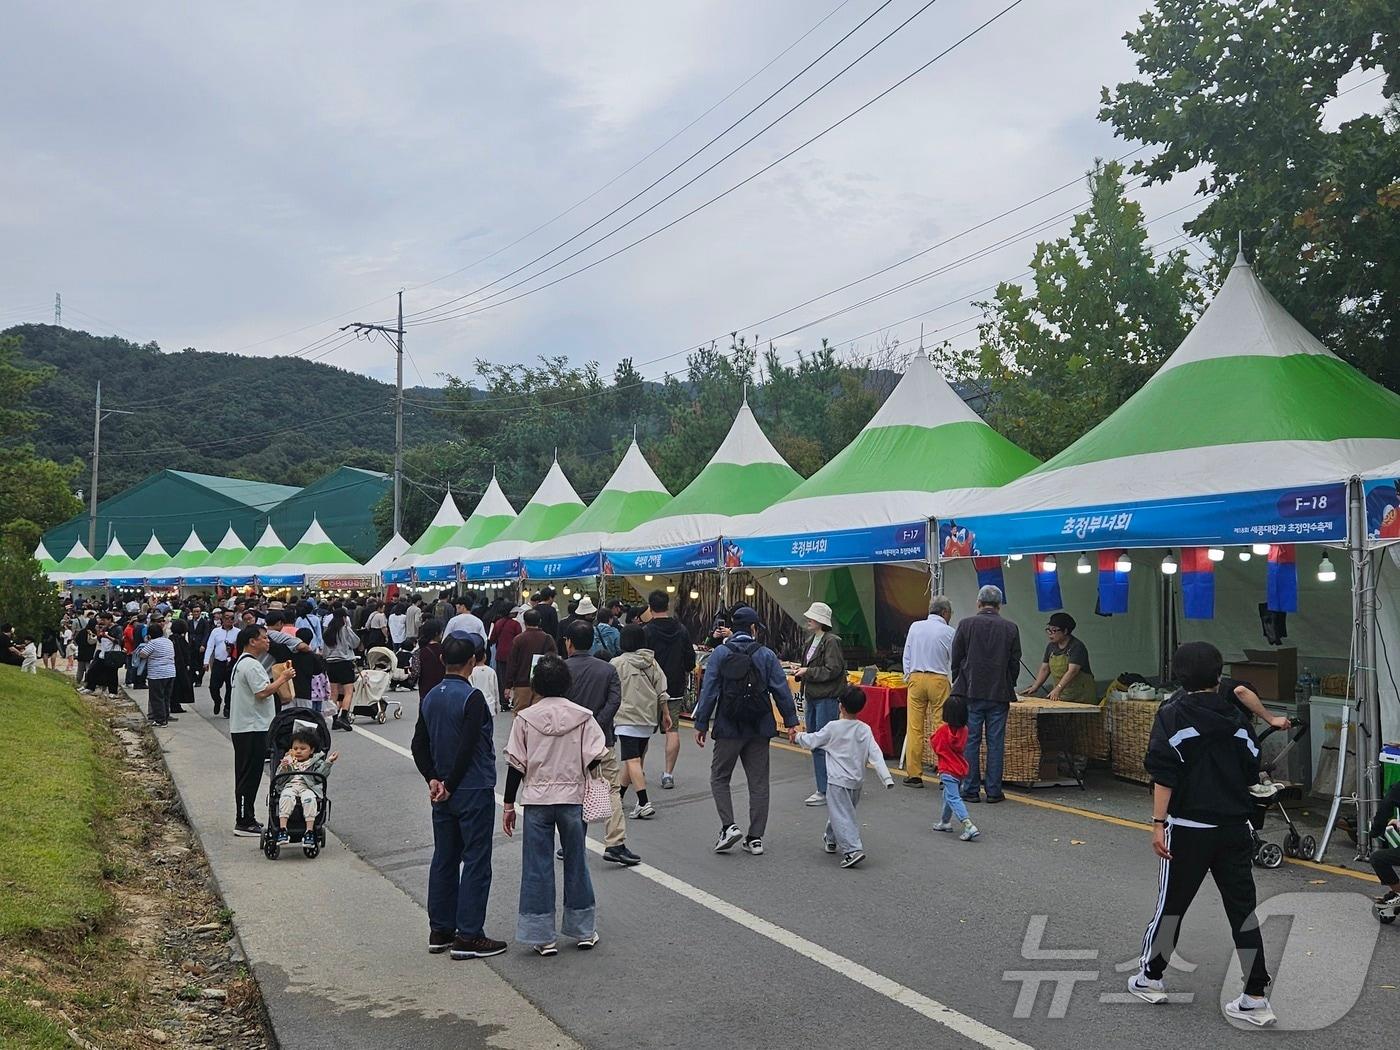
column 932, row 941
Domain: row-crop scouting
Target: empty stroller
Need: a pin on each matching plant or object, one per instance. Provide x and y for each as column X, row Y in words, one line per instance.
column 1273, row 793
column 279, row 739
column 370, row 698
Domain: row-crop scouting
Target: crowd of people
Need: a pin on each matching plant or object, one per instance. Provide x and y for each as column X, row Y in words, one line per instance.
column 590, row 689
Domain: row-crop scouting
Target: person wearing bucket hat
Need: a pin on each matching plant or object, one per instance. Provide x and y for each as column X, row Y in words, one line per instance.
column 606, row 640
column 823, row 677
column 1066, row 663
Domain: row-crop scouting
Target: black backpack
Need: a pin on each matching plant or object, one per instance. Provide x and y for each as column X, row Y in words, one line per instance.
column 743, row 691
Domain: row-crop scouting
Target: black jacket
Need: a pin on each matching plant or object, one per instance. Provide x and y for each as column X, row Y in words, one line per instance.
column 986, row 657
column 670, row 641
column 1200, row 750
column 1385, row 811
column 596, row 686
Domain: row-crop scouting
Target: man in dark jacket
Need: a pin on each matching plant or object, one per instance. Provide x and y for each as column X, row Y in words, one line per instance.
column 455, row 751
column 1203, row 761
column 986, row 661
column 200, row 626
column 532, row 642
column 597, row 687
column 669, row 641
column 549, row 615
column 743, row 724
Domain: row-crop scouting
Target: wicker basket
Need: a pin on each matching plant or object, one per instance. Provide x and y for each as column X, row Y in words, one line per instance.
column 1130, row 723
column 1089, row 736
column 1022, row 755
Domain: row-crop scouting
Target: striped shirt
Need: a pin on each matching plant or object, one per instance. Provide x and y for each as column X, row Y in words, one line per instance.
column 160, row 657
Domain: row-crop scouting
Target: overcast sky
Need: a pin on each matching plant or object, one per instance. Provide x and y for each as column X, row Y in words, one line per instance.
column 232, row 177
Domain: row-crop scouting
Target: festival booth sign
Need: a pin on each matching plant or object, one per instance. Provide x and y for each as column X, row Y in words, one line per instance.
column 113, row 569
column 437, row 535
column 387, row 554
column 1250, row 435
column 229, row 553
column 76, row 562
column 314, row 556
column 186, row 560
column 492, row 515
column 552, row 509
column 744, row 477
column 632, row 495
column 267, row 552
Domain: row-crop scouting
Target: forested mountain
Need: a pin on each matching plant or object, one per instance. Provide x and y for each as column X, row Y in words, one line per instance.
column 283, row 420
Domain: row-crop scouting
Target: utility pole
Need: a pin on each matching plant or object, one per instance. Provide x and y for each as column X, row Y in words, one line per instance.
column 97, row 417
column 57, row 309
column 397, row 333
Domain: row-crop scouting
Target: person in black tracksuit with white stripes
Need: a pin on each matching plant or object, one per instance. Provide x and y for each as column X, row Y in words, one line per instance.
column 1202, row 758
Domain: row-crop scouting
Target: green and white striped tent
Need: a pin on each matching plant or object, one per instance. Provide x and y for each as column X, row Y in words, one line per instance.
column 744, row 477
column 313, row 555
column 437, row 535
column 46, row 561
column 188, row 560
column 493, row 513
column 388, row 554
column 230, row 552
column 76, row 562
column 1250, row 401
column 115, row 563
column 552, row 509
column 151, row 560
column 267, row 552
column 923, row 455
column 632, row 495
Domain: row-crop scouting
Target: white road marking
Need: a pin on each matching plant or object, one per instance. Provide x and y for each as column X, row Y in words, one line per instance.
column 971, row 1028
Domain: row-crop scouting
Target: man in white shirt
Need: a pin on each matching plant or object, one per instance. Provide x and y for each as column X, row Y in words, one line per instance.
column 252, row 706
column 218, row 660
column 927, row 669
column 464, row 621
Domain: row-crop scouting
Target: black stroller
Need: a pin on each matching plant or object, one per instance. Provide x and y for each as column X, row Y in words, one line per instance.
column 1273, row 794
column 279, row 739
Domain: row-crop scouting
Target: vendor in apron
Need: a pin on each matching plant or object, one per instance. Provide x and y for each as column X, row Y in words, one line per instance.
column 1066, row 664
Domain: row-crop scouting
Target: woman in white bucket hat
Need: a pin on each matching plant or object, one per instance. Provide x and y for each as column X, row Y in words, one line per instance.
column 823, row 676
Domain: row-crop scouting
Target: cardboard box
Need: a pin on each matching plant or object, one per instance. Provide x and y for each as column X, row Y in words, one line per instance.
column 1272, row 672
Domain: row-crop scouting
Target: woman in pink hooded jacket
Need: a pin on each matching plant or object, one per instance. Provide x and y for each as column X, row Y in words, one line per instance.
column 553, row 744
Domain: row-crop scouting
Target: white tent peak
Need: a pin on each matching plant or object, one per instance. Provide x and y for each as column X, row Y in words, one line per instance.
column 447, row 513
column 1244, row 320
column 746, row 442
column 78, row 551
column 268, row 539
column 115, row 547
column 193, row 545
column 230, row 542
column 555, row 489
column 387, row 553
column 41, row 553
column 153, row 547
column 493, row 502
column 634, row 474
column 314, row 533
column 922, row 398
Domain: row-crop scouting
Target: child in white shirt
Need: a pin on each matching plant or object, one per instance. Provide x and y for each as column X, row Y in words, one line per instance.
column 849, row 745
column 31, row 657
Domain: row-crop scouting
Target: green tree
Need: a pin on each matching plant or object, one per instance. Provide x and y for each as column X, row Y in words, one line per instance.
column 1100, row 314
column 28, row 599
column 1241, row 90
column 32, row 489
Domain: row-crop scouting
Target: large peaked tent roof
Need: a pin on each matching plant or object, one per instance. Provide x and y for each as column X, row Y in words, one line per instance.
column 47, row 562
column 439, row 532
column 551, row 510
column 114, row 564
column 922, row 455
column 193, row 555
column 312, row 554
column 1250, row 401
column 152, row 559
column 632, row 495
column 746, row 475
column 267, row 552
column 76, row 562
column 388, row 554
column 230, row 552
column 493, row 513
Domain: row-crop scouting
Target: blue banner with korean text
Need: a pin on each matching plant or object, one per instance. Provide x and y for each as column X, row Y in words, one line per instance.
column 431, row 574
column 1311, row 514
column 402, row 575
column 662, row 559
column 163, row 581
column 885, row 543
column 201, row 581
column 570, row 568
column 506, row 569
column 291, row 579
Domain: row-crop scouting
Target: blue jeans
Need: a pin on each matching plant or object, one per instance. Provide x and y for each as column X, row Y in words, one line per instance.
column 817, row 714
column 535, row 923
column 953, row 806
column 459, row 879
column 992, row 714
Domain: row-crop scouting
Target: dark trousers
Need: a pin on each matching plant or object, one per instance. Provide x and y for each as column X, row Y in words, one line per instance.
column 752, row 751
column 1384, row 862
column 459, row 879
column 249, row 754
column 992, row 715
column 158, row 700
column 1227, row 854
column 219, row 680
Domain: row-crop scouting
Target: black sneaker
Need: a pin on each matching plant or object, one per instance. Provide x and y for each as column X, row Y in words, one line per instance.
column 440, row 940
column 621, row 855
column 994, row 799
column 476, row 948
column 247, row 831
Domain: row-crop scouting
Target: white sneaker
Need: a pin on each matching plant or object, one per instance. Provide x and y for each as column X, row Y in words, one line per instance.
column 816, row 798
column 727, row 838
column 1251, row 1010
column 830, row 847
column 754, row 846
column 642, row 811
column 944, row 825
column 969, row 831
column 1146, row 989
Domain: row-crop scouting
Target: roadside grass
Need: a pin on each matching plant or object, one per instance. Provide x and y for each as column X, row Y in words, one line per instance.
column 58, row 793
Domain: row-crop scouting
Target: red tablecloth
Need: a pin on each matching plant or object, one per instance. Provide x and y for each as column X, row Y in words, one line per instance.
column 879, row 702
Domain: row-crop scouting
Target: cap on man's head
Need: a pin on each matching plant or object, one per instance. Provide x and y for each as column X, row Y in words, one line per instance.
column 744, row 616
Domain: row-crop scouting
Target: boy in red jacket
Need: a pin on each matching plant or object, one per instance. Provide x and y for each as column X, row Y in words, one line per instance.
column 948, row 742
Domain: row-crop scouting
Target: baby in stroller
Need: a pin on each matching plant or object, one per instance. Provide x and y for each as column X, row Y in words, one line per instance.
column 298, row 805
